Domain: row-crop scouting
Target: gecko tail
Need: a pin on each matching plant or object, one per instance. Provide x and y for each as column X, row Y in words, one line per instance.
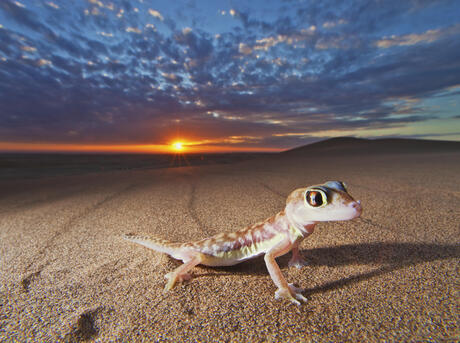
column 157, row 244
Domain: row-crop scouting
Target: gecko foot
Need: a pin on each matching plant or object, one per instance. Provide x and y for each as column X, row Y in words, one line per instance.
column 297, row 262
column 297, row 292
column 172, row 278
column 292, row 294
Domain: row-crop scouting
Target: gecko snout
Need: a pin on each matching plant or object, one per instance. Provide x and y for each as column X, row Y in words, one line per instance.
column 357, row 207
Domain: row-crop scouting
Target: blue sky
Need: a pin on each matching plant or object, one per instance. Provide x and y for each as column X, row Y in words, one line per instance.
column 274, row 74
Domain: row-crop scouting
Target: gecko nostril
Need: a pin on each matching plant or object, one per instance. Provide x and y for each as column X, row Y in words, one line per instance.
column 356, row 205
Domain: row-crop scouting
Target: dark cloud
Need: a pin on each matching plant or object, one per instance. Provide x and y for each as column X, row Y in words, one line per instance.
column 98, row 74
column 199, row 45
column 25, row 17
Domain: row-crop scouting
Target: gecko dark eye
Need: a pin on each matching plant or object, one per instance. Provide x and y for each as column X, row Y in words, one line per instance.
column 315, row 198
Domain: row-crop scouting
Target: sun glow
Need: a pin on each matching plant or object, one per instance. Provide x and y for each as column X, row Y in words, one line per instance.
column 178, row 146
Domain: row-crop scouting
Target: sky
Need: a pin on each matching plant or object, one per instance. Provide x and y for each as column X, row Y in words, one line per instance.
column 139, row 75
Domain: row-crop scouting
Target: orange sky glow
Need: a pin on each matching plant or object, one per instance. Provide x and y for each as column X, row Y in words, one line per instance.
column 171, row 148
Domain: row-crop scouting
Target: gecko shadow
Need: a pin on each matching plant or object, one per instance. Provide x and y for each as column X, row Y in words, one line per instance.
column 387, row 257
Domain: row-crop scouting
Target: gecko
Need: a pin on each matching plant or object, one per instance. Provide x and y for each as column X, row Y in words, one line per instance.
column 274, row 237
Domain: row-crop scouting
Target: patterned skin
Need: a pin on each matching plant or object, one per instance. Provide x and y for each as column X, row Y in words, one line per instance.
column 274, row 237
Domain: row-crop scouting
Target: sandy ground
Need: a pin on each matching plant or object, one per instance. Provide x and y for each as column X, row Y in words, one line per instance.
column 393, row 275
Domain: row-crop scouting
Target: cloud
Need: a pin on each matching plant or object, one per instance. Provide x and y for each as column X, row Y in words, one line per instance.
column 96, row 2
column 42, row 62
column 294, row 37
column 28, row 48
column 19, row 4
column 133, row 30
column 156, row 14
column 428, row 36
column 199, row 45
column 266, row 43
column 171, row 77
column 53, row 5
column 331, row 23
column 306, row 70
column 106, row 34
column 18, row 13
column 244, row 49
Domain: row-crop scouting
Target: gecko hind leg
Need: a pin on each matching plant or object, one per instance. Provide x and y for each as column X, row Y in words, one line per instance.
column 297, row 260
column 181, row 273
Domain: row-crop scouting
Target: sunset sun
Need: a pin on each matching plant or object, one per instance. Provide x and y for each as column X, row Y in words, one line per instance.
column 178, row 146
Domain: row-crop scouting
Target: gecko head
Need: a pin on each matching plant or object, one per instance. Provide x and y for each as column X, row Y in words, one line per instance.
column 327, row 202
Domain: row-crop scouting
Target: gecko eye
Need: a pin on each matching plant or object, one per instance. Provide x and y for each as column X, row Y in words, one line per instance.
column 315, row 198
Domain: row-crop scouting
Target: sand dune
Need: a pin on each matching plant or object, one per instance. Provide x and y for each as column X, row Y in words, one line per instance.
column 66, row 275
column 351, row 145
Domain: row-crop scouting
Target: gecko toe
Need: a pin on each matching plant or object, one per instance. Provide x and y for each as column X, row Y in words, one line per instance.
column 286, row 293
column 295, row 302
column 168, row 287
column 300, row 297
column 295, row 289
column 297, row 292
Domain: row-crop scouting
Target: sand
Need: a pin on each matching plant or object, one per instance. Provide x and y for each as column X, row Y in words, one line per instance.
column 66, row 275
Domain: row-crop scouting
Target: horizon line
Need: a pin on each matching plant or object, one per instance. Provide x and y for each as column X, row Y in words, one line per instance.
column 166, row 149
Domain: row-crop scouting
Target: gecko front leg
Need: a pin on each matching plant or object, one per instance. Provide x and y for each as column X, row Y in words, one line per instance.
column 285, row 290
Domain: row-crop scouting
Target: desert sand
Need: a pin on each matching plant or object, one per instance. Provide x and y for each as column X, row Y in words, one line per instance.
column 393, row 274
